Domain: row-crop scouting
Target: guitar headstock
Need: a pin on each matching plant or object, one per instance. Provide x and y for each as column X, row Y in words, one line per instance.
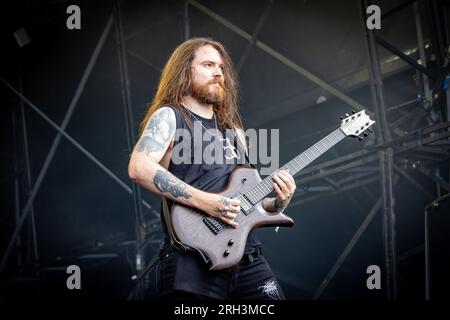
column 355, row 125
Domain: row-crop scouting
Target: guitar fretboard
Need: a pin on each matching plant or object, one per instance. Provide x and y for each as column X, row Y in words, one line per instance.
column 265, row 187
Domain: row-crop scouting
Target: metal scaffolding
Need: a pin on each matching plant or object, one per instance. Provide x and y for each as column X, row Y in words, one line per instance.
column 26, row 211
column 385, row 161
column 432, row 141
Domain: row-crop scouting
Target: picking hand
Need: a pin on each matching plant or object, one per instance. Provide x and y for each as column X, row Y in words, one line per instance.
column 222, row 208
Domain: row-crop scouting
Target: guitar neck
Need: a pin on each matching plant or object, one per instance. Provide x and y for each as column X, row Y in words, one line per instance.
column 265, row 187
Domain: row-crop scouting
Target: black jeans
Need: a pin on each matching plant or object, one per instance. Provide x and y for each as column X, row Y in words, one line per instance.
column 183, row 276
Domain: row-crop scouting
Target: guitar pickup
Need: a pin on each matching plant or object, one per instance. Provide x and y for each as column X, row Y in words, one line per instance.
column 214, row 224
column 246, row 205
column 248, row 211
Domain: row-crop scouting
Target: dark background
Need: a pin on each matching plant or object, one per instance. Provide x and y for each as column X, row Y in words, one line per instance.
column 79, row 210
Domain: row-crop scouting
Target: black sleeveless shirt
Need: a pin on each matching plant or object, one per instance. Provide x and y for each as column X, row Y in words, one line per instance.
column 202, row 167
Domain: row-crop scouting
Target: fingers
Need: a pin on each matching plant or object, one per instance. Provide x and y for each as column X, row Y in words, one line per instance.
column 229, row 221
column 285, row 182
column 279, row 193
column 233, row 208
column 228, row 215
column 281, row 185
column 234, row 202
column 230, row 205
column 287, row 177
column 228, row 210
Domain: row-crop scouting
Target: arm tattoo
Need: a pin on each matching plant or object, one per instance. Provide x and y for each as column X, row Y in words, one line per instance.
column 166, row 182
column 157, row 132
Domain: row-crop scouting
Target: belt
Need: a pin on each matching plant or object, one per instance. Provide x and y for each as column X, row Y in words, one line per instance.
column 252, row 256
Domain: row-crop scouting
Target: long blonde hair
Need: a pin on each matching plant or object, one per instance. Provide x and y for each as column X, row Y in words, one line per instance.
column 176, row 81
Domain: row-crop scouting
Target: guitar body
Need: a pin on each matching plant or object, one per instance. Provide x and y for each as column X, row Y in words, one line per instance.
column 225, row 246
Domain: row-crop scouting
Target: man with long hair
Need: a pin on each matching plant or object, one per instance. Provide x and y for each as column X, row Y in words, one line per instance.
column 198, row 88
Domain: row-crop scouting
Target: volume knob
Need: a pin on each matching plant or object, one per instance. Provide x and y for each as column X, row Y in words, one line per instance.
column 226, row 253
column 230, row 242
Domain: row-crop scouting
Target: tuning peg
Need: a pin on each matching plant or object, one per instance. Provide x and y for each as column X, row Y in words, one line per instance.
column 360, row 138
column 347, row 115
column 341, row 117
column 365, row 134
column 353, row 111
column 370, row 130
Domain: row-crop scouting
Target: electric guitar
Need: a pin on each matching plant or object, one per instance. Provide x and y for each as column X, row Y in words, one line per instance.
column 223, row 244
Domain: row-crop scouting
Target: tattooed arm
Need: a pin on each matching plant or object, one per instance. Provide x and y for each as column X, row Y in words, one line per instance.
column 144, row 169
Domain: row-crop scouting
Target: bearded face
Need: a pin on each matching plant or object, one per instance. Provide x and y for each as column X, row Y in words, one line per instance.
column 211, row 92
column 207, row 76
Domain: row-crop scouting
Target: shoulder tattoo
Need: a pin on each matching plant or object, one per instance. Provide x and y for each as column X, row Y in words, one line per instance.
column 158, row 132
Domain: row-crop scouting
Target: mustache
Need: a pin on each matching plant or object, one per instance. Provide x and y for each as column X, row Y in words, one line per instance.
column 219, row 81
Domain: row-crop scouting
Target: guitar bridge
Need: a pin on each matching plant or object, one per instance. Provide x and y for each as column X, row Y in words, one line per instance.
column 214, row 224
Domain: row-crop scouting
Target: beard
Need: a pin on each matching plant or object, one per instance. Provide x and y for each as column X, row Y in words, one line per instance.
column 209, row 93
